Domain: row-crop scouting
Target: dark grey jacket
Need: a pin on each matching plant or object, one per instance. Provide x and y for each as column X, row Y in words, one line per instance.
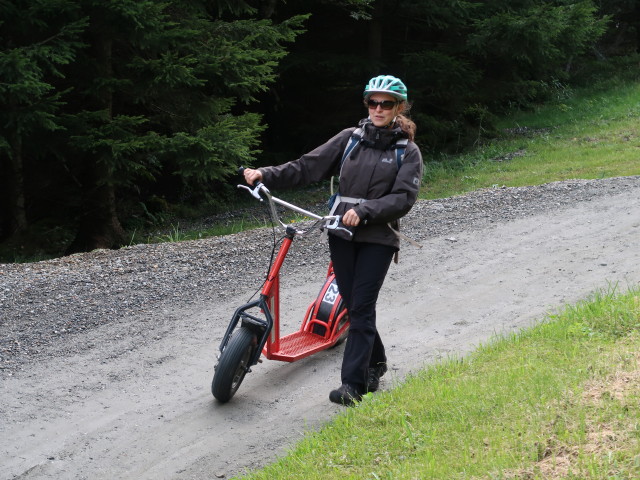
column 370, row 172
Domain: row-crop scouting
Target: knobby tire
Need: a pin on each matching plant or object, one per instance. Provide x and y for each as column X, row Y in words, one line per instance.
column 233, row 364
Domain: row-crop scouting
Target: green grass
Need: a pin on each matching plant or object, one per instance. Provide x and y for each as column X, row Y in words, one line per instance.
column 176, row 233
column 560, row 400
column 250, row 219
column 593, row 134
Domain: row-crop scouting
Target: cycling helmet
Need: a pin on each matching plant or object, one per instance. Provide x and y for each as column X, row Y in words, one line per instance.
column 386, row 84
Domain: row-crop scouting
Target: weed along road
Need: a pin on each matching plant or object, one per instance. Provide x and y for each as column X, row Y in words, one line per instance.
column 122, row 390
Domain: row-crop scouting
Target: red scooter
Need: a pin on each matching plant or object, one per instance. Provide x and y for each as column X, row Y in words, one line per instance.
column 254, row 329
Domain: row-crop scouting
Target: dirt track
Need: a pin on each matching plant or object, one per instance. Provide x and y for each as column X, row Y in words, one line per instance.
column 130, row 409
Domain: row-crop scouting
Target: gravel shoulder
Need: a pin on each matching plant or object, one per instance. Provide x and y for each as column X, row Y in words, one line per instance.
column 106, row 358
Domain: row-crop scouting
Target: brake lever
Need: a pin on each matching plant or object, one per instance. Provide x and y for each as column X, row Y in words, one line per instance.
column 345, row 230
column 335, row 225
column 255, row 192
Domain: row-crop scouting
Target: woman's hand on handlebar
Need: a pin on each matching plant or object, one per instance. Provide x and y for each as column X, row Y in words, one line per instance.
column 351, row 218
column 252, row 176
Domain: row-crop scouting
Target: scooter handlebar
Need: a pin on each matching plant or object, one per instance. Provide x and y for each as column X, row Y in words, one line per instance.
column 332, row 221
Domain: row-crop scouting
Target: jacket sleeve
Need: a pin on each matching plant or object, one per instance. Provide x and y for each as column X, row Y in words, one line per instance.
column 319, row 164
column 403, row 194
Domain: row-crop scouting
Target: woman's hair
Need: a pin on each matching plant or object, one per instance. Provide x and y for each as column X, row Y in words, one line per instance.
column 404, row 122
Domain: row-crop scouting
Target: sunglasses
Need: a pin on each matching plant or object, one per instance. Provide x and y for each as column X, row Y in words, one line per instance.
column 384, row 104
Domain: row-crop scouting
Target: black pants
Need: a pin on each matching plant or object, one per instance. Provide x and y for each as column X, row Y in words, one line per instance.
column 360, row 270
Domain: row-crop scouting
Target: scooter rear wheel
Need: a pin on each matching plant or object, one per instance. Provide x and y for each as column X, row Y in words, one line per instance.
column 233, row 364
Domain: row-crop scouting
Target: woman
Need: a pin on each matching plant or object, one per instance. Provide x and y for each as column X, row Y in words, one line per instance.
column 376, row 189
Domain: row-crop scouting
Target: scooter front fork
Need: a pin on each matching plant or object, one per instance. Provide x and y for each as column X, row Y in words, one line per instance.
column 262, row 326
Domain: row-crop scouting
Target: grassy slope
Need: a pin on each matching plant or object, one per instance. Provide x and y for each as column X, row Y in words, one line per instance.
column 590, row 135
column 560, row 400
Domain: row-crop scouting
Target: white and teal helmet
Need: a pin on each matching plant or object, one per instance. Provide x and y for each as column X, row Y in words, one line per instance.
column 386, row 84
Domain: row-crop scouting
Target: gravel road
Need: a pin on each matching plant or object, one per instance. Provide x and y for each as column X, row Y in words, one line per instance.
column 106, row 357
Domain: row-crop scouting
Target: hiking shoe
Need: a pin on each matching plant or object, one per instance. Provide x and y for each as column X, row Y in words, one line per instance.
column 346, row 395
column 373, row 382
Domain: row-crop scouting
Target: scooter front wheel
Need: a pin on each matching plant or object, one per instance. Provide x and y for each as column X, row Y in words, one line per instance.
column 233, row 364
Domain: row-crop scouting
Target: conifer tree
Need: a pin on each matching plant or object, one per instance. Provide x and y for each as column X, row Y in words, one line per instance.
column 154, row 88
column 37, row 42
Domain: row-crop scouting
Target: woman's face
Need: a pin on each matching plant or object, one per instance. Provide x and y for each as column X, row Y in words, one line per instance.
column 379, row 116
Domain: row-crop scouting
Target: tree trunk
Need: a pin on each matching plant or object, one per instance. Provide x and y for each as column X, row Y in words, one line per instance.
column 100, row 226
column 636, row 25
column 5, row 203
column 375, row 32
column 16, row 221
column 267, row 8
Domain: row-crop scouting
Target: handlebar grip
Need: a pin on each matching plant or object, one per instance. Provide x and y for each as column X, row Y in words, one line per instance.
column 241, row 170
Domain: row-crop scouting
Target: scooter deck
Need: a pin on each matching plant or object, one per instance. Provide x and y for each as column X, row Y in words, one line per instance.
column 298, row 345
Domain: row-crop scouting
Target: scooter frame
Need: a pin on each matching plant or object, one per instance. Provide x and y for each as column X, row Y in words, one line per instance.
column 254, row 329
